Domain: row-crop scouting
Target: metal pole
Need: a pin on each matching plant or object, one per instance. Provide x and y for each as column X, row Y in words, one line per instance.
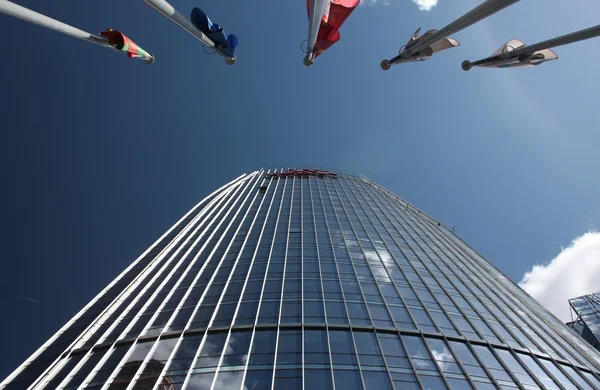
column 577, row 36
column 167, row 10
column 317, row 8
column 30, row 16
column 478, row 13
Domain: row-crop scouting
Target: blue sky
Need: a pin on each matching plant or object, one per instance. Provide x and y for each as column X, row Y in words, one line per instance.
column 101, row 154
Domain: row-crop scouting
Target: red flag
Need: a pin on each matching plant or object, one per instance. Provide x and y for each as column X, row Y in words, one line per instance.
column 336, row 13
column 123, row 43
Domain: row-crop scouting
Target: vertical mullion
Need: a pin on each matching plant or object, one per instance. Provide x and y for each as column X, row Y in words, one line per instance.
column 218, row 209
column 376, row 283
column 312, row 210
column 417, row 227
column 87, row 307
column 417, row 242
column 450, row 296
column 231, row 274
column 130, row 306
column 179, row 306
column 485, row 279
column 357, row 281
column 287, row 240
column 236, row 195
column 458, row 308
column 409, row 282
column 382, row 202
column 250, row 183
column 440, row 284
column 488, row 291
column 208, row 260
column 340, row 284
column 252, row 263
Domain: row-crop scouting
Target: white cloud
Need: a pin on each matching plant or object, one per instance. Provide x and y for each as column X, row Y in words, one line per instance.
column 425, row 5
column 574, row 272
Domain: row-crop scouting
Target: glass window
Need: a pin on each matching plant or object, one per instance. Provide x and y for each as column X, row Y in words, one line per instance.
column 443, row 356
column 393, row 350
column 459, row 384
column 288, row 379
column 537, row 371
column 132, row 364
column 314, row 311
column 418, row 352
column 247, row 313
column 201, row 381
column 342, row 347
column 290, row 347
column 468, row 360
column 156, row 363
column 258, row 379
column 269, row 312
column 263, row 347
column 224, row 380
column 315, row 347
column 291, row 312
column 557, row 374
column 489, row 386
column 515, row 367
column 104, row 372
column 358, row 313
column 405, row 381
column 591, row 379
column 211, row 350
column 336, row 312
column 492, row 364
column 380, row 315
column 367, row 348
column 577, row 377
column 347, row 380
column 401, row 317
column 84, row 370
column 182, row 360
column 317, row 379
column 377, row 380
column 236, row 349
column 432, row 382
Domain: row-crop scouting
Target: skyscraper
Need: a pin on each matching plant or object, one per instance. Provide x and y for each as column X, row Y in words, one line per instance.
column 587, row 318
column 301, row 278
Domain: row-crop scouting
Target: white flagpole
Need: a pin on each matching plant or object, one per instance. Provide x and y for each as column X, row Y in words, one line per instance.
column 169, row 12
column 317, row 7
column 478, row 13
column 566, row 39
column 12, row 9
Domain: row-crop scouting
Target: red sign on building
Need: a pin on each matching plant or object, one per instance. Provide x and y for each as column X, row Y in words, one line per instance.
column 302, row 172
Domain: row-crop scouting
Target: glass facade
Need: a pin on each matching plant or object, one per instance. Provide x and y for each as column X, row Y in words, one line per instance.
column 587, row 318
column 306, row 279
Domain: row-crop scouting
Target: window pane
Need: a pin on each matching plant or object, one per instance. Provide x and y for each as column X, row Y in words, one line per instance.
column 318, row 379
column 226, row 380
column 377, row 380
column 258, row 379
column 432, row 382
column 347, row 380
column 263, row 347
column 290, row 347
column 418, row 353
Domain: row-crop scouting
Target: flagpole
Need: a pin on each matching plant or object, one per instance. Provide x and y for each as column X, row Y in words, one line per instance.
column 317, row 8
column 566, row 39
column 12, row 9
column 169, row 12
column 478, row 13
